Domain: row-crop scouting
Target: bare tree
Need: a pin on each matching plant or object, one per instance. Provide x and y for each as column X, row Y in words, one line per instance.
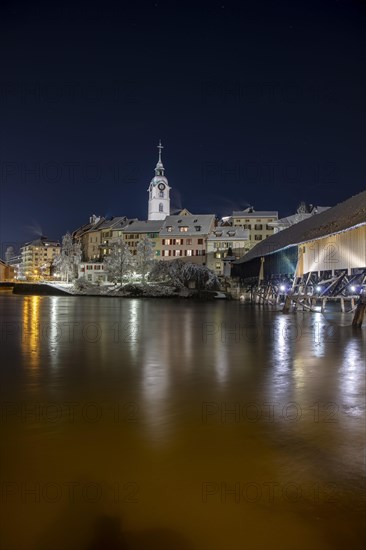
column 144, row 258
column 119, row 263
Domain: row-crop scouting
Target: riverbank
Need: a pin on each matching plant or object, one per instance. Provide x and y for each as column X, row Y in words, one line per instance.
column 127, row 291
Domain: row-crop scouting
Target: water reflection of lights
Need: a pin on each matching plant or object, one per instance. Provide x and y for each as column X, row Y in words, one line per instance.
column 133, row 331
column 282, row 344
column 320, row 330
column 221, row 363
column 31, row 330
column 156, row 362
column 352, row 373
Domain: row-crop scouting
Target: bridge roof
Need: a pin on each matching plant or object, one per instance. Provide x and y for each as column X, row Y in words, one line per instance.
column 342, row 217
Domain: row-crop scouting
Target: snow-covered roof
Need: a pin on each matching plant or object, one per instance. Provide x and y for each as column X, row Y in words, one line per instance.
column 141, row 226
column 199, row 224
column 343, row 216
column 87, row 227
column 113, row 223
column 42, row 242
column 259, row 214
column 228, row 233
column 298, row 217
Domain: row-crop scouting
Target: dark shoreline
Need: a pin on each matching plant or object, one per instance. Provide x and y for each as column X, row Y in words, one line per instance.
column 39, row 289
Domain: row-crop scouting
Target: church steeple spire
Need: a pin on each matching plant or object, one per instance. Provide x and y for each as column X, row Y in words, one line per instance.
column 159, row 168
column 159, row 200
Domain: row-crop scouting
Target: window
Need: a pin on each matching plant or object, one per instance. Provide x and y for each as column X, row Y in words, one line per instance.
column 200, row 241
column 269, row 228
column 188, row 241
column 258, row 237
column 218, row 265
column 177, row 252
column 197, row 228
column 161, row 207
column 179, row 241
column 189, row 252
column 166, row 252
column 247, row 226
column 161, row 194
column 258, row 227
column 183, row 229
column 169, row 228
column 167, row 241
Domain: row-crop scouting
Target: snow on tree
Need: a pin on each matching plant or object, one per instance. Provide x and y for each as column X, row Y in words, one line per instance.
column 167, row 271
column 181, row 274
column 119, row 263
column 144, row 257
column 67, row 261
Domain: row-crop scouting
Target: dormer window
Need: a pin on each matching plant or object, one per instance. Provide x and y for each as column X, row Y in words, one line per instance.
column 183, row 229
column 169, row 228
column 197, row 228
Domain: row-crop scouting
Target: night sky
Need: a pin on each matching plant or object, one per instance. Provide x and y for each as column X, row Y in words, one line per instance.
column 259, row 103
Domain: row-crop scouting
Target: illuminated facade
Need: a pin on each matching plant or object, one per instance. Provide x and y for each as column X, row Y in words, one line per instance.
column 38, row 256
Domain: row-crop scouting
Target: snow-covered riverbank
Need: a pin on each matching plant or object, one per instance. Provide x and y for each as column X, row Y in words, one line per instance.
column 139, row 290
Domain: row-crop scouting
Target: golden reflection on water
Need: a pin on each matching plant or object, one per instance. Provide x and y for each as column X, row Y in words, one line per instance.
column 31, row 330
column 159, row 360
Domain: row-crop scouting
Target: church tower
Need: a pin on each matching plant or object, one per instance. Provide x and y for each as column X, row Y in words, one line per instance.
column 159, row 200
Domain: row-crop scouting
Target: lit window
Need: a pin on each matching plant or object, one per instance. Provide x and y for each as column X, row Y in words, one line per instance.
column 189, row 252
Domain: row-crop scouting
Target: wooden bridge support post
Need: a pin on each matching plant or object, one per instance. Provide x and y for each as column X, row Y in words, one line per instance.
column 287, row 304
column 360, row 312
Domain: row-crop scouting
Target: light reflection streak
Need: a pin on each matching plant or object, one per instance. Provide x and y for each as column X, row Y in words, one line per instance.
column 31, row 332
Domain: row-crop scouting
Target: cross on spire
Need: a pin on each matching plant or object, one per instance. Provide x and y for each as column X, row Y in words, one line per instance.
column 160, row 147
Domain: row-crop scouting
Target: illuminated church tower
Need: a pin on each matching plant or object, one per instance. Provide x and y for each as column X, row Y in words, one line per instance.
column 159, row 200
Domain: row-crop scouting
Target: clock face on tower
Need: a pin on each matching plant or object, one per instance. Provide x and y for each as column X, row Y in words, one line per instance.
column 161, row 186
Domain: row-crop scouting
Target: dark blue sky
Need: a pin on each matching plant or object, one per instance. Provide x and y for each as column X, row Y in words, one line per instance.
column 258, row 103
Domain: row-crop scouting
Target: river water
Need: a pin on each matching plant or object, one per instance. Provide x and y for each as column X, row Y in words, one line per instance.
column 179, row 424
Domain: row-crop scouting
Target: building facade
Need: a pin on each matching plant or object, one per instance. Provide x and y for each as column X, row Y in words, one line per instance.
column 226, row 243
column 185, row 237
column 38, row 257
column 6, row 272
column 138, row 229
column 258, row 224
